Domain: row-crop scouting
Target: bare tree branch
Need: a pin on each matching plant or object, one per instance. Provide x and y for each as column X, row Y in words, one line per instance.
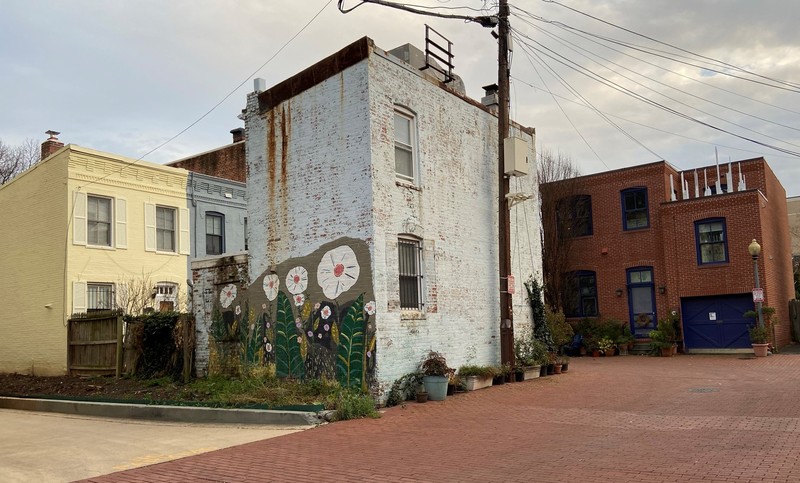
column 16, row 159
column 558, row 179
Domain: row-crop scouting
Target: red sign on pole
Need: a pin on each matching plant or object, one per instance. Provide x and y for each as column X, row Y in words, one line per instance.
column 758, row 295
column 511, row 287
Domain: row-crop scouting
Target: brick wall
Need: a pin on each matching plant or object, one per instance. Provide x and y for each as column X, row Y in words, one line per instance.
column 321, row 168
column 669, row 243
column 227, row 162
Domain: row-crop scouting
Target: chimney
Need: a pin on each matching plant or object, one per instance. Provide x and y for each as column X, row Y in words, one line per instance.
column 491, row 100
column 51, row 145
column 238, row 134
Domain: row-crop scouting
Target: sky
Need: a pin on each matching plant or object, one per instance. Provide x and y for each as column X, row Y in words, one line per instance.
column 126, row 76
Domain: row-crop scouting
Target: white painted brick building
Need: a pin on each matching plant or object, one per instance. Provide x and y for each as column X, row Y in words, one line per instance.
column 322, row 157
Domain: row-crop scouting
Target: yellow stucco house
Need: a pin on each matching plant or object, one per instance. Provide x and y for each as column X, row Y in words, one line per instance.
column 84, row 230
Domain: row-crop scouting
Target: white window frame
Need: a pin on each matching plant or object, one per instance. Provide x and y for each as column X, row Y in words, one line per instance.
column 93, row 286
column 408, row 274
column 160, row 230
column 411, row 148
column 166, row 292
column 90, row 221
column 221, row 234
column 118, row 223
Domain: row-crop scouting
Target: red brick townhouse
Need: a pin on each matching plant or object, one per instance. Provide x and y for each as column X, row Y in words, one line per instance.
column 649, row 239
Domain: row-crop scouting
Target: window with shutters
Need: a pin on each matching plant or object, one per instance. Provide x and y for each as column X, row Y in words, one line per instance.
column 165, row 229
column 215, row 233
column 410, row 256
column 98, row 221
column 99, row 296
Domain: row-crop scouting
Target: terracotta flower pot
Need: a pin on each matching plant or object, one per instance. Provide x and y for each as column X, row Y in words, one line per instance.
column 609, row 352
column 557, row 369
column 760, row 350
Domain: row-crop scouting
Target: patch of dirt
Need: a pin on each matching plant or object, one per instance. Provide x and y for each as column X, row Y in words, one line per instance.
column 101, row 388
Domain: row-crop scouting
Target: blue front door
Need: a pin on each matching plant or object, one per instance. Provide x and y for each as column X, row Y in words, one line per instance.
column 716, row 322
column 641, row 301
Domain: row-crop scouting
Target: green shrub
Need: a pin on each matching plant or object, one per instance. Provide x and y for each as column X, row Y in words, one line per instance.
column 404, row 388
column 350, row 404
column 481, row 371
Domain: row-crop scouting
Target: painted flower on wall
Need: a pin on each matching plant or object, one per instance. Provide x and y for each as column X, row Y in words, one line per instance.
column 227, row 296
column 369, row 307
column 297, row 280
column 271, row 285
column 268, row 347
column 325, row 312
column 338, row 271
column 299, row 300
column 238, row 310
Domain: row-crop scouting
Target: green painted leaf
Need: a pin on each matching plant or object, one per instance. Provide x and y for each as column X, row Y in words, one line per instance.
column 350, row 356
column 288, row 360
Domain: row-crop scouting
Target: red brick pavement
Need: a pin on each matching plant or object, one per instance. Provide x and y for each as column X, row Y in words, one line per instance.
column 621, row 419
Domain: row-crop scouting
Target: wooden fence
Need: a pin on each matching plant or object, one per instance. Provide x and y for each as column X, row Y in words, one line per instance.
column 94, row 344
column 794, row 316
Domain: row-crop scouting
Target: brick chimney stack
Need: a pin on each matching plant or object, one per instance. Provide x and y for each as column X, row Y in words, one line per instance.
column 238, row 134
column 51, row 145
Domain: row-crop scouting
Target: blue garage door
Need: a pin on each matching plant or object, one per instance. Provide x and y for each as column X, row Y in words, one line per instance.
column 716, row 322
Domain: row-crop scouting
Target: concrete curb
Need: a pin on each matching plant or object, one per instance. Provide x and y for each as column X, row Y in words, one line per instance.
column 163, row 413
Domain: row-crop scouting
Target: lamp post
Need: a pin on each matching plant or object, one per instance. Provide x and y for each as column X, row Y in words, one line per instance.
column 755, row 250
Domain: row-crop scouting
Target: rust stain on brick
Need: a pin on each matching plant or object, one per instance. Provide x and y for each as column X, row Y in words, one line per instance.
column 286, row 128
column 271, row 161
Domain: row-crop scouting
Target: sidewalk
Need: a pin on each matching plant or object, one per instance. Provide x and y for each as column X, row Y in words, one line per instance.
column 621, row 419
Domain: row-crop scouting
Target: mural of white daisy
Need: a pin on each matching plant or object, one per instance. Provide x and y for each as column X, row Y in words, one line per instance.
column 271, row 285
column 337, row 271
column 227, row 295
column 297, row 280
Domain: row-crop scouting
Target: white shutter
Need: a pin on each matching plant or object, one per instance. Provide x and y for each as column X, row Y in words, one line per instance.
column 78, row 297
column 149, row 227
column 121, row 220
column 79, row 218
column 185, row 246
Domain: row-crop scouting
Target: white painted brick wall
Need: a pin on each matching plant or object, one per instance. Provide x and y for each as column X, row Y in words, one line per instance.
column 340, row 181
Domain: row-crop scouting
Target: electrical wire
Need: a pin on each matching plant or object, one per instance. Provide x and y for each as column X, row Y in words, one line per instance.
column 625, row 91
column 544, row 89
column 711, row 59
column 140, row 158
column 664, row 95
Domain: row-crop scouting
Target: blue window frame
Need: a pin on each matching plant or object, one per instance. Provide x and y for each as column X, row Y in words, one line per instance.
column 574, row 216
column 581, row 294
column 641, row 300
column 712, row 241
column 635, row 212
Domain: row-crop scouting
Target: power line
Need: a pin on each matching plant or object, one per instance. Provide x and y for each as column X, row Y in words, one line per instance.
column 711, row 59
column 286, row 44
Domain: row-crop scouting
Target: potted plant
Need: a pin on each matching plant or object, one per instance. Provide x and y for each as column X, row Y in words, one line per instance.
column 661, row 343
column 527, row 351
column 436, row 375
column 477, row 377
column 624, row 340
column 564, row 363
column 606, row 346
column 503, row 374
column 557, row 366
column 560, row 329
column 760, row 336
column 668, row 334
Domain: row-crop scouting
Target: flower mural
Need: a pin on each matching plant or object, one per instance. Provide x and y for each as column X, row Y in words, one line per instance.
column 337, row 271
column 227, row 295
column 299, row 300
column 325, row 312
column 271, row 286
column 369, row 307
column 297, row 280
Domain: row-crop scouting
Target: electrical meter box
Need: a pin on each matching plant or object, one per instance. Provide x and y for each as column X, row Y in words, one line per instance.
column 516, row 156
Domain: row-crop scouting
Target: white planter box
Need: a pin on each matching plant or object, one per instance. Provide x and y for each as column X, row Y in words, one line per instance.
column 474, row 383
column 531, row 372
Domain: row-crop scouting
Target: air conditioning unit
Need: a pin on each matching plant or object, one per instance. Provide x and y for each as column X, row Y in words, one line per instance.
column 516, row 156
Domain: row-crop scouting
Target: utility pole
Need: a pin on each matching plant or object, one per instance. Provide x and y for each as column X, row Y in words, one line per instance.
column 503, row 74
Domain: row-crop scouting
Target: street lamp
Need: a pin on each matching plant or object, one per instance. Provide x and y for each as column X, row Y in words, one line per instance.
column 755, row 250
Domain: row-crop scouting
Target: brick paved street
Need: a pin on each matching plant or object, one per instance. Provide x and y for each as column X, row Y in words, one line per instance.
column 621, row 419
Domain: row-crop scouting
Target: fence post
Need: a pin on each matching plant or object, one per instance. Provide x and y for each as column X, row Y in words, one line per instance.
column 187, row 348
column 119, row 344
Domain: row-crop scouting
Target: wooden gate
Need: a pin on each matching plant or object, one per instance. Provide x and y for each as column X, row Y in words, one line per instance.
column 95, row 344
